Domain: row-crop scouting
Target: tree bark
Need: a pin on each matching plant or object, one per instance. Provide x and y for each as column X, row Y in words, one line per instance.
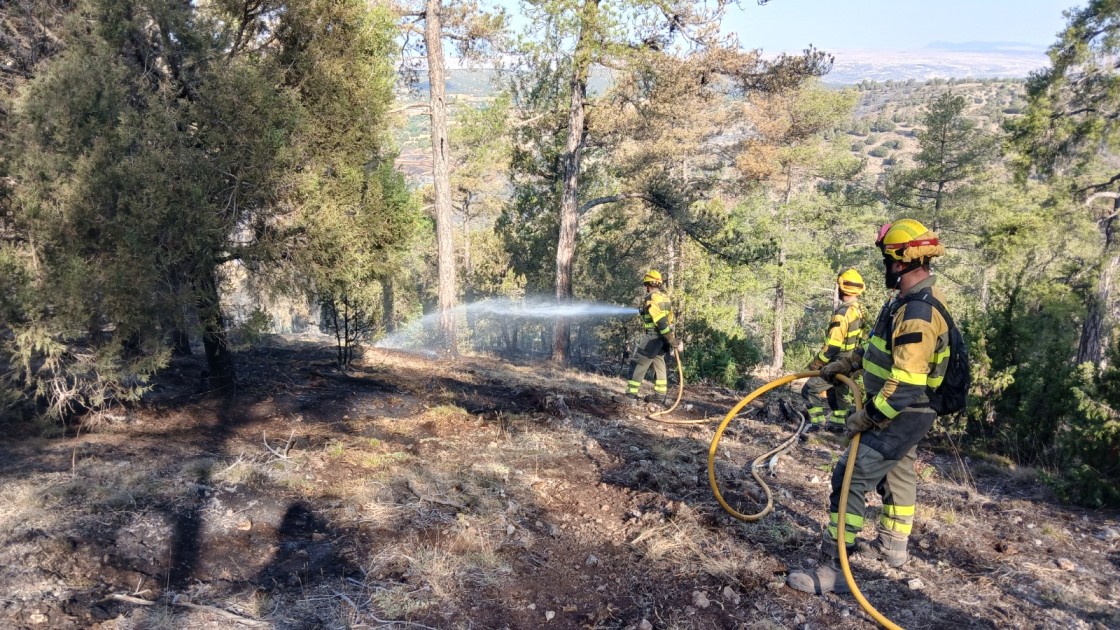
column 780, row 290
column 573, row 152
column 219, row 359
column 388, row 305
column 1094, row 338
column 779, row 313
column 441, row 180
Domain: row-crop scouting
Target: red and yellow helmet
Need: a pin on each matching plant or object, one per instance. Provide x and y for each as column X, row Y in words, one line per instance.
column 907, row 241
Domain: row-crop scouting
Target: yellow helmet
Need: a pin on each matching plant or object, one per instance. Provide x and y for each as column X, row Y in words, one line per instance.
column 908, row 241
column 850, row 282
column 652, row 277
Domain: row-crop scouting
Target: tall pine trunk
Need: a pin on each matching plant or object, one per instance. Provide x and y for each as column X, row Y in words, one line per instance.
column 1094, row 338
column 388, row 313
column 441, row 181
column 573, row 151
column 779, row 315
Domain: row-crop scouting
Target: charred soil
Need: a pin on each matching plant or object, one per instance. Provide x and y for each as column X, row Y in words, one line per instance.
column 472, row 492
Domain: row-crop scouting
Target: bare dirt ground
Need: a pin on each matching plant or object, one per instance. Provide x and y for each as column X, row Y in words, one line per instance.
column 474, row 493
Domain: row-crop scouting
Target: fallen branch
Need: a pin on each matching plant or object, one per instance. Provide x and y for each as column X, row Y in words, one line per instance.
column 413, row 490
column 283, row 454
column 213, row 610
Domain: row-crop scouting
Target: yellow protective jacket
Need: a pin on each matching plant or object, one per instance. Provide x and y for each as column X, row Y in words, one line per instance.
column 657, row 315
column 844, row 332
column 908, row 351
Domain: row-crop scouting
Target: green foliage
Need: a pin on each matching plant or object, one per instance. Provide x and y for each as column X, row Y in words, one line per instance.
column 1088, row 438
column 716, row 356
column 162, row 152
column 879, row 151
column 882, row 125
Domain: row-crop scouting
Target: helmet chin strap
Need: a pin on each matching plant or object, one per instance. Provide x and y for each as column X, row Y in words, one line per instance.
column 895, row 279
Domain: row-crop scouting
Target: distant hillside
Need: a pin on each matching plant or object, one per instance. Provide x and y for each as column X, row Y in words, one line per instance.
column 965, row 61
column 882, row 129
column 888, row 114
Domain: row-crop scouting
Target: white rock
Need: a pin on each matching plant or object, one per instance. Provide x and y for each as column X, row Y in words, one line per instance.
column 816, row 479
column 591, row 560
column 730, row 595
column 915, row 584
column 510, row 529
column 38, row 618
column 549, row 615
column 645, row 625
column 1065, row 564
column 532, row 606
column 700, row 599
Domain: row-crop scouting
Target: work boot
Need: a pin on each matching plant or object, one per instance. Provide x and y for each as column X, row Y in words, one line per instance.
column 835, row 427
column 826, row 577
column 888, row 548
column 632, row 400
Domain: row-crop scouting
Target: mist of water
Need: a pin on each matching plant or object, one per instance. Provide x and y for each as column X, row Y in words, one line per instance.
column 421, row 333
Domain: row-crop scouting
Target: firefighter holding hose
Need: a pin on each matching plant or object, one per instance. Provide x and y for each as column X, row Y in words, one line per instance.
column 656, row 312
column 904, row 362
column 844, row 333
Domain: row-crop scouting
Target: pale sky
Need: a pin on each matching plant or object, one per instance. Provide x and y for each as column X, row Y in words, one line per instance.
column 791, row 25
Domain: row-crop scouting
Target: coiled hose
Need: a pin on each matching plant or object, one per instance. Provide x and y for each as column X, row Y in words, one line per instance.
column 754, row 465
column 853, row 449
column 656, row 416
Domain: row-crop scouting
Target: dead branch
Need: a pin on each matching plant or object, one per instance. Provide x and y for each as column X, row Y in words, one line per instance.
column 282, row 454
column 413, row 490
column 213, row 610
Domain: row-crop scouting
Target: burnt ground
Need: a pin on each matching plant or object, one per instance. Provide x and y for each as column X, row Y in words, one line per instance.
column 474, row 493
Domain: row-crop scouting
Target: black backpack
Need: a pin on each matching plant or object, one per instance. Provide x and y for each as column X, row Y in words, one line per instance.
column 952, row 395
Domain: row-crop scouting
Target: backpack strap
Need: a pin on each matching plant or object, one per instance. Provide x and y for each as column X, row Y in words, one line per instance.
column 927, row 297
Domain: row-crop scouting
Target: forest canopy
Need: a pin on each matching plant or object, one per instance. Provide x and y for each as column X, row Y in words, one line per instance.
column 180, row 177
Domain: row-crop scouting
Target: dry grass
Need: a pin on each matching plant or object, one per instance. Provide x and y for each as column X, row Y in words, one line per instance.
column 691, row 549
column 437, row 571
column 23, row 502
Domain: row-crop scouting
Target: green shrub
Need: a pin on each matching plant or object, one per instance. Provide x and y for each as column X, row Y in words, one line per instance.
column 717, row 356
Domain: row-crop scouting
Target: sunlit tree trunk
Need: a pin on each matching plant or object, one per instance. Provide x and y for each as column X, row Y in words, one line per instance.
column 1094, row 336
column 573, row 151
column 388, row 304
column 441, row 181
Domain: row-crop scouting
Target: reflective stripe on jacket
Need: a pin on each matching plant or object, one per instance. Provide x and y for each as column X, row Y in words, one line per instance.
column 844, row 332
column 657, row 314
column 906, row 353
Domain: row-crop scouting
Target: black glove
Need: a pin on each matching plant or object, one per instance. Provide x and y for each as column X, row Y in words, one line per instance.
column 843, row 365
column 814, row 365
column 857, row 422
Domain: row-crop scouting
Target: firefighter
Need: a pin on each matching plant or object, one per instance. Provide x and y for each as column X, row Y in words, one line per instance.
column 657, row 322
column 843, row 335
column 908, row 352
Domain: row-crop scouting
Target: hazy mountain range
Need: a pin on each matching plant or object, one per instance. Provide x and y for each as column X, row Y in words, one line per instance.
column 939, row 60
column 943, row 60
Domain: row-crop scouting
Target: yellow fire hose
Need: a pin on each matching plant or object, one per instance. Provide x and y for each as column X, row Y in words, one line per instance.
column 842, row 509
column 656, row 417
column 754, row 465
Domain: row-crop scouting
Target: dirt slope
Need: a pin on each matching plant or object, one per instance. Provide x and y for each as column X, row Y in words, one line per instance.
column 479, row 494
